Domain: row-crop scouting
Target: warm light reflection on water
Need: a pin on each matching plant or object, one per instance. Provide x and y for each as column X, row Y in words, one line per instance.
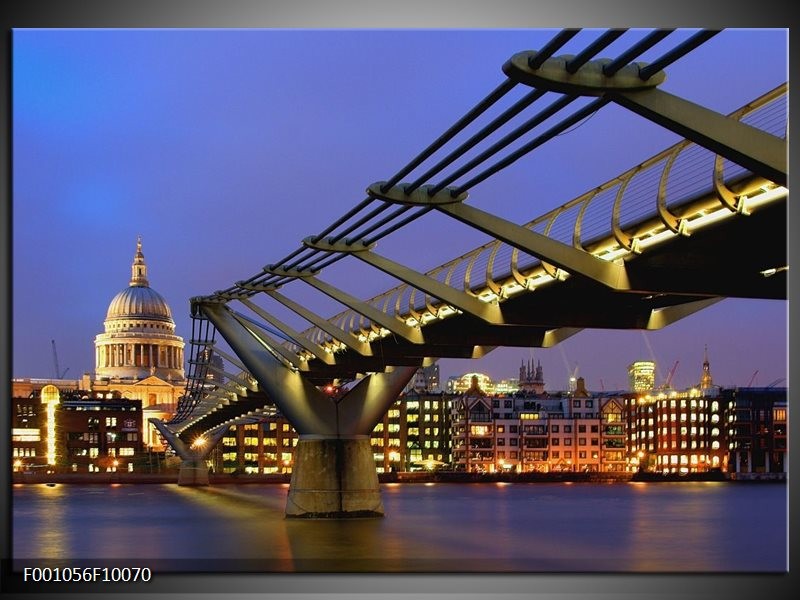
column 539, row 527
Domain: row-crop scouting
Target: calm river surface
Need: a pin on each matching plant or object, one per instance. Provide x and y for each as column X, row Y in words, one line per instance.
column 486, row 527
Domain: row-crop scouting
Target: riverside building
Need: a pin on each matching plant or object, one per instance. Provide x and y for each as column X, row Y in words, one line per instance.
column 76, row 432
column 755, row 421
column 138, row 362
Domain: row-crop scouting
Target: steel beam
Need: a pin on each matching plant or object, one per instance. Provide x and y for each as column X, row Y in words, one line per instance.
column 572, row 260
column 235, row 378
column 264, row 338
column 393, row 324
column 366, row 403
column 661, row 317
column 304, row 406
column 338, row 334
column 760, row 152
column 490, row 313
column 297, row 337
column 556, row 336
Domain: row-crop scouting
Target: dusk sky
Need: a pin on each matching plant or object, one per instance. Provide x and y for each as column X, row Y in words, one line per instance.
column 223, row 149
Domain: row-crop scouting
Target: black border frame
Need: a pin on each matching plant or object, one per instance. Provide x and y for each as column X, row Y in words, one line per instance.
column 444, row 14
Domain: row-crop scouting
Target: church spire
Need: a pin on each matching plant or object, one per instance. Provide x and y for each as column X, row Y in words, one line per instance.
column 705, row 378
column 138, row 268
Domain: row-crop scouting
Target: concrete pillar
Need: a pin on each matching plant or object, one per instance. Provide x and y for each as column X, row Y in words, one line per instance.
column 334, row 478
column 193, row 472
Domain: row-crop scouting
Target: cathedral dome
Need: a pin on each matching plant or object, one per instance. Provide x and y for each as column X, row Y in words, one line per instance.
column 139, row 339
column 139, row 302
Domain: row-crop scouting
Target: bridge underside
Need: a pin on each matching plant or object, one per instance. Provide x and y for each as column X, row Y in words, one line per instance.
column 665, row 275
column 680, row 271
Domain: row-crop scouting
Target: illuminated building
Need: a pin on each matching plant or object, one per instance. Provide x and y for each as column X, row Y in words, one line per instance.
column 706, row 382
column 413, row 434
column 426, row 379
column 613, row 435
column 755, row 420
column 461, row 384
column 389, row 440
column 139, row 339
column 138, row 357
column 473, row 430
column 75, row 432
column 642, row 376
column 577, row 432
column 675, row 432
column 263, row 447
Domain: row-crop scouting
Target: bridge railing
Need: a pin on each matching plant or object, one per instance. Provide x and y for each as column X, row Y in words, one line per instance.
column 664, row 193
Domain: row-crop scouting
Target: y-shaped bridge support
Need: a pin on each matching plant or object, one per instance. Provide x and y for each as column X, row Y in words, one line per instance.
column 194, row 470
column 334, row 474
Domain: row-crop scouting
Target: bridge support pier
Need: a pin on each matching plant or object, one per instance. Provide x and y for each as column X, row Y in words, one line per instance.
column 333, row 475
column 334, row 478
column 193, row 472
column 193, row 469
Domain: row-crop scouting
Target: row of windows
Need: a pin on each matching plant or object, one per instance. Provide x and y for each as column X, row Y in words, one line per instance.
column 694, row 444
column 581, row 441
column 138, row 325
column 694, row 403
column 567, row 455
column 93, row 437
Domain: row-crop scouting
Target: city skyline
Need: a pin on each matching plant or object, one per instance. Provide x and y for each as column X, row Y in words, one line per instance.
column 223, row 158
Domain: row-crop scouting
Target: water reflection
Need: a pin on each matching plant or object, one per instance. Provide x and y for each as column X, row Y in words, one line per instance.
column 51, row 537
column 445, row 527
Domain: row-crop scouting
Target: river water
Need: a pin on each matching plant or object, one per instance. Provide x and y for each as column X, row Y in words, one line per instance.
column 444, row 527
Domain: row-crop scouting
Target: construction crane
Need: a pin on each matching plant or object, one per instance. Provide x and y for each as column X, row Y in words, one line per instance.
column 752, row 379
column 668, row 381
column 59, row 374
column 776, row 382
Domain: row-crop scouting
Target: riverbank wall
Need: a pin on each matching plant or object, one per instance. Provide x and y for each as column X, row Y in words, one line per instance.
column 402, row 477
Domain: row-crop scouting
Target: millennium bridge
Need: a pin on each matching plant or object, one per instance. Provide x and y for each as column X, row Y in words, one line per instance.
column 704, row 220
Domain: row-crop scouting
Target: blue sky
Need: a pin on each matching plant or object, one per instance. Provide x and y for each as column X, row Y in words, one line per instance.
column 224, row 148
